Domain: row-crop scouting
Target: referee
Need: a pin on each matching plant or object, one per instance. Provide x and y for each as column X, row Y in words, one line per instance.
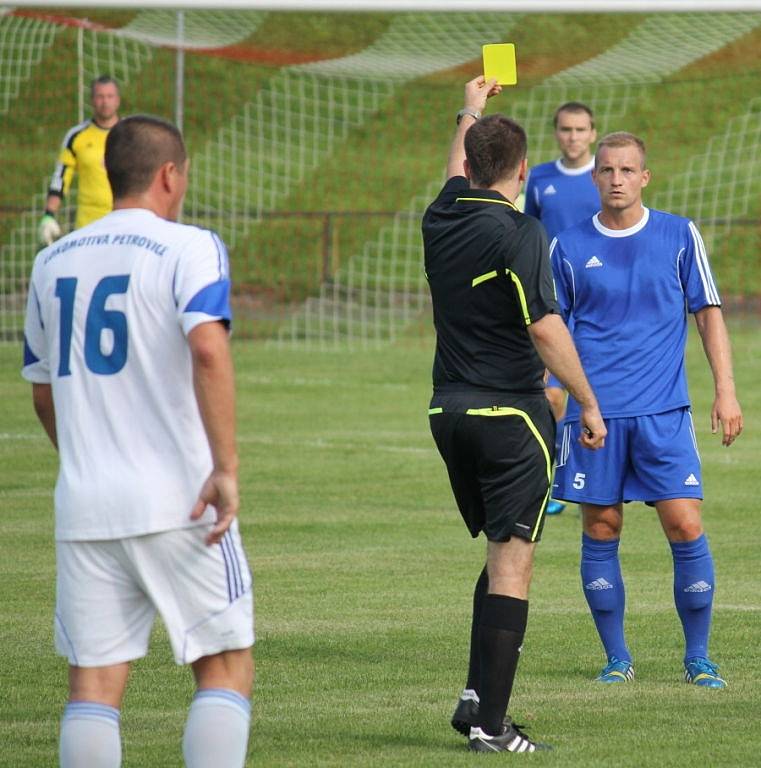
column 497, row 327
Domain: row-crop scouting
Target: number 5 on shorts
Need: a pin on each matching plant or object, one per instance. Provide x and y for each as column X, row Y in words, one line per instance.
column 579, row 481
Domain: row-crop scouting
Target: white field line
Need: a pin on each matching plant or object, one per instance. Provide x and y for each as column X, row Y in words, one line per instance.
column 13, row 436
column 317, row 444
column 23, row 493
column 319, row 381
column 322, row 444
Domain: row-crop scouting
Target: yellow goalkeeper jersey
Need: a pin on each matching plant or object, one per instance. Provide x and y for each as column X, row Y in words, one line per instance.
column 82, row 152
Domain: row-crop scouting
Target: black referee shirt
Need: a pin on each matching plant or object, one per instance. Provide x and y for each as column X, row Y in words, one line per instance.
column 490, row 277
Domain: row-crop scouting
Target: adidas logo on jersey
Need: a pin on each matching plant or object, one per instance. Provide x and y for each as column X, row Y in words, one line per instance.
column 593, row 262
column 698, row 586
column 550, row 190
column 598, row 584
column 692, row 480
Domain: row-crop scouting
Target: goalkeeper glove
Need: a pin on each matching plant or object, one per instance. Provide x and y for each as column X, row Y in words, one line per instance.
column 49, row 229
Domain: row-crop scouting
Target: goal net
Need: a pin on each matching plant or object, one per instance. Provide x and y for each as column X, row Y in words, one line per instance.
column 317, row 140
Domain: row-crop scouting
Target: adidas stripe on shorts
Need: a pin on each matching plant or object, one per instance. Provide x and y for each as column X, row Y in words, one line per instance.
column 645, row 458
column 109, row 592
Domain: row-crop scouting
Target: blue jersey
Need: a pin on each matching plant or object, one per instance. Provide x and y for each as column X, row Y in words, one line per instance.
column 561, row 197
column 628, row 293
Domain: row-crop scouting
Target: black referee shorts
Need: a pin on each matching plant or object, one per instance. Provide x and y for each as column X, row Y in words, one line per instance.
column 499, row 458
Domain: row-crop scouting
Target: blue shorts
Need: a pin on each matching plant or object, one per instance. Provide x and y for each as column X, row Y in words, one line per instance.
column 645, row 458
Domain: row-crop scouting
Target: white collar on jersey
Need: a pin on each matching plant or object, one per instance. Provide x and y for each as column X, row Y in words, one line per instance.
column 566, row 171
column 603, row 230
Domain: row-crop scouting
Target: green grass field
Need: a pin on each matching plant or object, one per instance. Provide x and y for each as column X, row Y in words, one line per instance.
column 364, row 577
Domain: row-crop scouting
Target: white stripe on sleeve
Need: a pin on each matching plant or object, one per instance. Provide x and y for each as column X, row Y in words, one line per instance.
column 709, row 287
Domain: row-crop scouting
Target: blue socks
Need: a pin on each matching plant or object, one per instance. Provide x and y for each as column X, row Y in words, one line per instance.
column 693, row 593
column 604, row 590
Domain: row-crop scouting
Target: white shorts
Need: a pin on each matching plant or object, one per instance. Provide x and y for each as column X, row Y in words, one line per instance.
column 108, row 593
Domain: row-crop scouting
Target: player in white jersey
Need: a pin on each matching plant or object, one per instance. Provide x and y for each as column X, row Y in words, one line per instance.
column 126, row 346
column 627, row 277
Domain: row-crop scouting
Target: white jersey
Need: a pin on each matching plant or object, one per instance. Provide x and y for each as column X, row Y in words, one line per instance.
column 108, row 311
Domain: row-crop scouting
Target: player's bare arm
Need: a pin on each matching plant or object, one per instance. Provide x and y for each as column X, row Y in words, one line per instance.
column 726, row 409
column 42, row 398
column 554, row 345
column 477, row 92
column 214, row 383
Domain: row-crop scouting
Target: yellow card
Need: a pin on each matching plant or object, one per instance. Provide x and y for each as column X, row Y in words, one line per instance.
column 499, row 62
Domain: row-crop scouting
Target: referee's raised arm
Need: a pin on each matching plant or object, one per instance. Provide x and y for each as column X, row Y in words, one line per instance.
column 477, row 91
column 497, row 325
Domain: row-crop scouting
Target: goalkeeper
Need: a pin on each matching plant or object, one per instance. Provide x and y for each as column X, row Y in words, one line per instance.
column 82, row 152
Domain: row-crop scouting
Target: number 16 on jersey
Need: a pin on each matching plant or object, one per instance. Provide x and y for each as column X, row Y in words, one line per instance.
column 98, row 320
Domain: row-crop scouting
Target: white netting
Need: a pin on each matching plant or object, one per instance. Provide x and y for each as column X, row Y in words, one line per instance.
column 102, row 53
column 718, row 189
column 658, row 47
column 22, row 44
column 200, row 29
column 23, row 41
column 719, row 185
column 123, row 54
column 375, row 295
column 111, row 54
column 385, row 281
column 417, row 44
column 300, row 115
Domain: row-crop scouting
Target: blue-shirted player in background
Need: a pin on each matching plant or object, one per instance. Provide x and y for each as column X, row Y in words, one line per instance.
column 560, row 194
column 627, row 277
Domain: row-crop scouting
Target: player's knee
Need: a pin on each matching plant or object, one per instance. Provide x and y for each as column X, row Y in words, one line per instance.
column 684, row 530
column 602, row 529
column 229, row 669
column 244, row 668
column 104, row 685
column 243, row 671
column 602, row 524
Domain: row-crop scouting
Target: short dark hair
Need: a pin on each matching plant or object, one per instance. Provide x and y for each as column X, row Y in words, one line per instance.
column 573, row 106
column 136, row 147
column 623, row 139
column 103, row 80
column 495, row 145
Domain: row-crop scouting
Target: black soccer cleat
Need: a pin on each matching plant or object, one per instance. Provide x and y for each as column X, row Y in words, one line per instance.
column 465, row 716
column 512, row 739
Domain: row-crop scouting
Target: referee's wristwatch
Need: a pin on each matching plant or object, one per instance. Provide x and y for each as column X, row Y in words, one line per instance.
column 474, row 113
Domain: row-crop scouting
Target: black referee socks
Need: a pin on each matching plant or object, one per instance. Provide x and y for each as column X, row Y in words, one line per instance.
column 474, row 664
column 501, row 629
